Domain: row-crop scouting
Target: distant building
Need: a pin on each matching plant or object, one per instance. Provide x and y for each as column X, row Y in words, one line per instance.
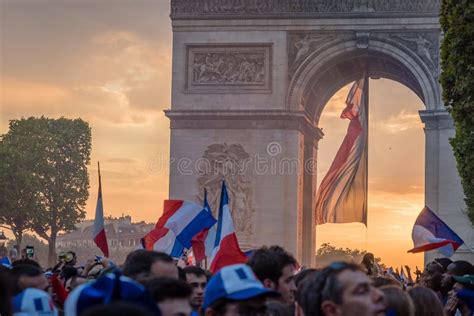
column 123, row 236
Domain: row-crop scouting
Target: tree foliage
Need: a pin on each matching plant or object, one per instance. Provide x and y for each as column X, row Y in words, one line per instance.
column 457, row 80
column 58, row 152
column 328, row 254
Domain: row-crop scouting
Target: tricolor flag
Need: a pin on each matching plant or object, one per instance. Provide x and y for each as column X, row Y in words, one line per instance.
column 98, row 232
column 342, row 194
column 199, row 241
column 226, row 247
column 430, row 232
column 180, row 222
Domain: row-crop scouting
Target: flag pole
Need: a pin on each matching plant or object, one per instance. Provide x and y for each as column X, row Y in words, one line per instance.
column 366, row 100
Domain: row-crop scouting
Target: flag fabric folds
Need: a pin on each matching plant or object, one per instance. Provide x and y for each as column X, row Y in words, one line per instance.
column 98, row 230
column 180, row 222
column 199, row 241
column 430, row 232
column 342, row 194
column 226, row 249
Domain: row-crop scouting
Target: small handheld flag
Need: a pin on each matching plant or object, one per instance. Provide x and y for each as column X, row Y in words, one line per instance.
column 180, row 222
column 226, row 247
column 430, row 232
column 98, row 232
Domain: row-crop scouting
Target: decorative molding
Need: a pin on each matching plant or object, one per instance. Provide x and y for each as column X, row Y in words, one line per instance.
column 257, row 9
column 301, row 45
column 241, row 120
column 436, row 119
column 229, row 162
column 229, row 68
column 426, row 45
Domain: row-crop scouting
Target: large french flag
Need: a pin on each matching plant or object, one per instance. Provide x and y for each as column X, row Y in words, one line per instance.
column 180, row 222
column 226, row 249
column 430, row 232
column 198, row 242
column 98, row 231
column 342, row 194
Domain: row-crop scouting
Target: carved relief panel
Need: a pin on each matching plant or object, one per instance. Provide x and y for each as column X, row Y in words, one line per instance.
column 229, row 162
column 229, row 68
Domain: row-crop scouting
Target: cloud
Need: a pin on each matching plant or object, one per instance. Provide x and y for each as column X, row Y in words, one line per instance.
column 402, row 122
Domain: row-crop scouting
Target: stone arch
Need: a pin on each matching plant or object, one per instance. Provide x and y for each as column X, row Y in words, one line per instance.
column 331, row 66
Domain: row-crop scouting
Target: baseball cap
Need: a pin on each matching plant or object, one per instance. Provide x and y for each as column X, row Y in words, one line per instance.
column 465, row 279
column 108, row 288
column 235, row 282
column 33, row 302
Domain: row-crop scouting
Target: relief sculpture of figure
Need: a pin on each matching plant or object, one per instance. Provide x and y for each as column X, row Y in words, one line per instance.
column 228, row 162
column 423, row 46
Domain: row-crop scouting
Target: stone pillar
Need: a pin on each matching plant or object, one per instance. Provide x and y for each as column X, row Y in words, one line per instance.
column 272, row 197
column 443, row 190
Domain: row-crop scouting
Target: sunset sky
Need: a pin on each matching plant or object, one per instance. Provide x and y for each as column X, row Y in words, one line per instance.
column 109, row 63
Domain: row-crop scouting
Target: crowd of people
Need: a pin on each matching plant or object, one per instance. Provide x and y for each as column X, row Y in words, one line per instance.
column 270, row 283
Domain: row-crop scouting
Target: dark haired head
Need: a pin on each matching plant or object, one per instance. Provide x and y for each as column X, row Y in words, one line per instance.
column 323, row 286
column 164, row 288
column 268, row 263
column 25, row 261
column 301, row 276
column 23, row 273
column 140, row 262
column 460, row 268
column 197, row 271
column 444, row 262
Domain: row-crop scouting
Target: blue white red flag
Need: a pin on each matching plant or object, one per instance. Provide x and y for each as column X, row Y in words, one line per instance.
column 180, row 222
column 226, row 247
column 430, row 232
column 342, row 194
column 199, row 241
column 98, row 231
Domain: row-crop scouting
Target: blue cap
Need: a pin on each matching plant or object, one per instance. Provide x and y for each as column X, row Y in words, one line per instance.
column 236, row 282
column 33, row 302
column 106, row 289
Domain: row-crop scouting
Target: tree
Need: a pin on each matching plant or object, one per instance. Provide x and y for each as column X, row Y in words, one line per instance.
column 19, row 188
column 60, row 149
column 328, row 254
column 457, row 80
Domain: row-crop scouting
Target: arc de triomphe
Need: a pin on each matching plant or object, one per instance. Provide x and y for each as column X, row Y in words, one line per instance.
column 250, row 81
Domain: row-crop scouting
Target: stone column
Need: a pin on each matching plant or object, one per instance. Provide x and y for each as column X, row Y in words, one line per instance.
column 443, row 190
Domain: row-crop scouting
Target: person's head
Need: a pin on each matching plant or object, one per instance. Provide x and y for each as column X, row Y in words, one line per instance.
column 117, row 309
column 197, row 279
column 233, row 291
column 275, row 268
column 433, row 275
column 149, row 262
column 27, row 276
column 426, row 302
column 338, row 290
column 171, row 295
column 276, row 308
column 368, row 262
column 444, row 262
column 301, row 276
column 25, row 262
column 456, row 268
column 397, row 301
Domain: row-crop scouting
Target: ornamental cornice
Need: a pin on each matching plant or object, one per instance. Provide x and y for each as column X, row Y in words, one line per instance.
column 290, row 9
